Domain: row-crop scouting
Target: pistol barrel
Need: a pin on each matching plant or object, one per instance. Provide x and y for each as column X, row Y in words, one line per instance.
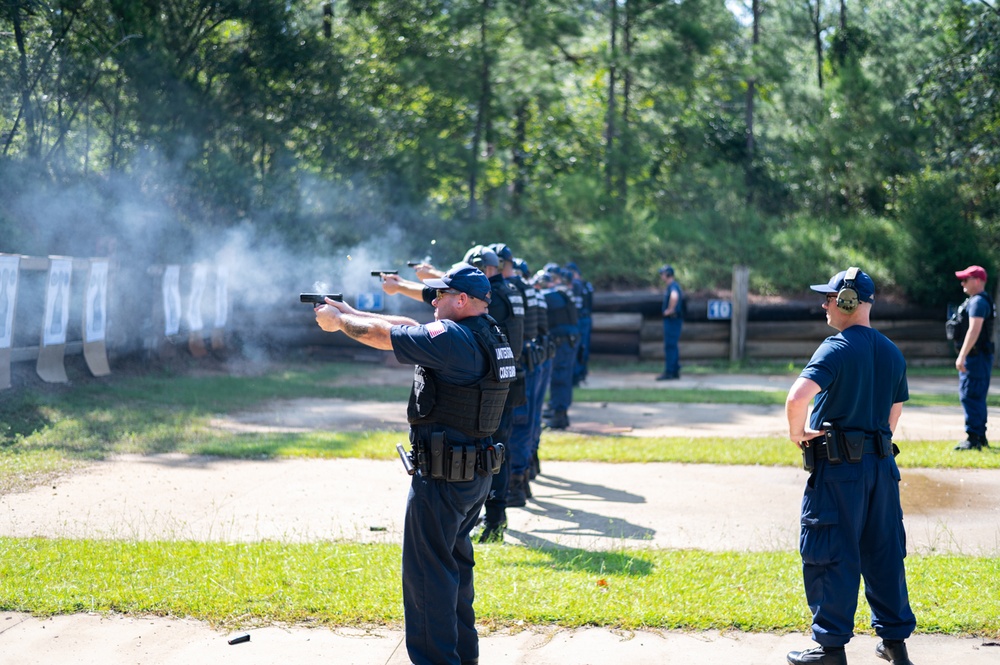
column 320, row 298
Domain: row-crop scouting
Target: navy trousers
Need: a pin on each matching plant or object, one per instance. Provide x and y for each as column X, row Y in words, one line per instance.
column 496, row 500
column 580, row 368
column 561, row 382
column 973, row 385
column 671, row 352
column 544, row 379
column 437, row 570
column 524, row 417
column 852, row 528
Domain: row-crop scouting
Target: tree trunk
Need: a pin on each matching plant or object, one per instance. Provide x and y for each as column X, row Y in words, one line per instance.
column 27, row 110
column 625, row 144
column 482, row 112
column 751, row 95
column 818, row 41
column 520, row 167
column 609, row 131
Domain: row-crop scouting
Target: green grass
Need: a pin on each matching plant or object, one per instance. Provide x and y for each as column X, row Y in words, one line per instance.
column 757, row 366
column 239, row 584
column 673, row 395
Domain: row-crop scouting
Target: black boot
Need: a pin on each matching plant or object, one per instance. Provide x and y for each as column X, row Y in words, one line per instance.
column 818, row 656
column 559, row 420
column 536, row 466
column 493, row 532
column 893, row 651
column 972, row 442
column 516, row 496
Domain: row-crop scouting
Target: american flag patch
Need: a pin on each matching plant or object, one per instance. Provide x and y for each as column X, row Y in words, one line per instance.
column 435, row 328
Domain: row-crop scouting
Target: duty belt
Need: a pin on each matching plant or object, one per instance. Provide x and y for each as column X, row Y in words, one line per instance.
column 822, row 450
column 838, row 446
column 439, row 459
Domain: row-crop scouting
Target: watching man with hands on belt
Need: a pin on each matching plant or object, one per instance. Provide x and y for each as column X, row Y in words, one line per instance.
column 971, row 331
column 464, row 367
column 852, row 522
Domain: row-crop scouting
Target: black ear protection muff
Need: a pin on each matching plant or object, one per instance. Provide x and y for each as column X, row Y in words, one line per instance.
column 847, row 297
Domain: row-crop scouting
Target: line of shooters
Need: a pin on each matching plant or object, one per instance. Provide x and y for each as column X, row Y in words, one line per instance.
column 546, row 317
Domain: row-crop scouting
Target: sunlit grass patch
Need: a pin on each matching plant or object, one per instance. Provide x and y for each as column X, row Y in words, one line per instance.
column 340, row 583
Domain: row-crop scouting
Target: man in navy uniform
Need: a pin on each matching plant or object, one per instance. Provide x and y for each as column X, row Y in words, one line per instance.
column 971, row 330
column 852, row 522
column 507, row 308
column 673, row 322
column 464, row 367
column 583, row 298
column 519, row 452
column 565, row 335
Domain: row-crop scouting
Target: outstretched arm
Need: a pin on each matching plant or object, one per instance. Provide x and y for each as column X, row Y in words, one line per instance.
column 366, row 327
column 393, row 284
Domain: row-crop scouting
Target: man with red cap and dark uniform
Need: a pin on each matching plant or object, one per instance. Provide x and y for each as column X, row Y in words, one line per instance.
column 971, row 331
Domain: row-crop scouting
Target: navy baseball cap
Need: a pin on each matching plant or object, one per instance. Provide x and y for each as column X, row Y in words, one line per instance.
column 667, row 270
column 572, row 266
column 863, row 285
column 502, row 251
column 482, row 255
column 465, row 278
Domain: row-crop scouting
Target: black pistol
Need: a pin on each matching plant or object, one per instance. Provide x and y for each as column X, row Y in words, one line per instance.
column 379, row 273
column 413, row 264
column 319, row 298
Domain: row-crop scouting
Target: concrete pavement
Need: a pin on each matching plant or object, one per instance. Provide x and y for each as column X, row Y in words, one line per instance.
column 85, row 639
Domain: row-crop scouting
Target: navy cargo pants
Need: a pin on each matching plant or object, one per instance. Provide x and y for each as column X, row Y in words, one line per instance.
column 973, row 386
column 437, row 570
column 852, row 527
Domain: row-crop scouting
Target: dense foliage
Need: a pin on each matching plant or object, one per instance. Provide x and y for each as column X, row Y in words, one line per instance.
column 791, row 136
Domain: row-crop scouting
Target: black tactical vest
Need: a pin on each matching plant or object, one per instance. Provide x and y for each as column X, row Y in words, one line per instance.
column 507, row 308
column 958, row 325
column 561, row 310
column 474, row 410
column 531, row 308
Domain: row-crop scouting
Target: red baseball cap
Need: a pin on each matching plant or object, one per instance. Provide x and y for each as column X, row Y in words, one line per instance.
column 978, row 272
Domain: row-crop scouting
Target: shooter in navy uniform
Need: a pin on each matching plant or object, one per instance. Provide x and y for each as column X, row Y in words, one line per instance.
column 852, row 522
column 464, row 367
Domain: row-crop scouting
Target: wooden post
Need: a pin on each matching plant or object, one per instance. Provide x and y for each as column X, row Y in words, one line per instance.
column 738, row 323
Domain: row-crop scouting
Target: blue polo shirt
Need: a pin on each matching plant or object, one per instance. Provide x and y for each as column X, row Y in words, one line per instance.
column 861, row 374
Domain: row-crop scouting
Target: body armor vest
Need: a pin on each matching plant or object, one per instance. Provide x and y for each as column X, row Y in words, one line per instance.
column 474, row 410
column 958, row 325
column 531, row 307
column 562, row 313
column 588, row 299
column 507, row 308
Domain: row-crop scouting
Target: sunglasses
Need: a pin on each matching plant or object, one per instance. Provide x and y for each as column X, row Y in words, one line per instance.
column 441, row 293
